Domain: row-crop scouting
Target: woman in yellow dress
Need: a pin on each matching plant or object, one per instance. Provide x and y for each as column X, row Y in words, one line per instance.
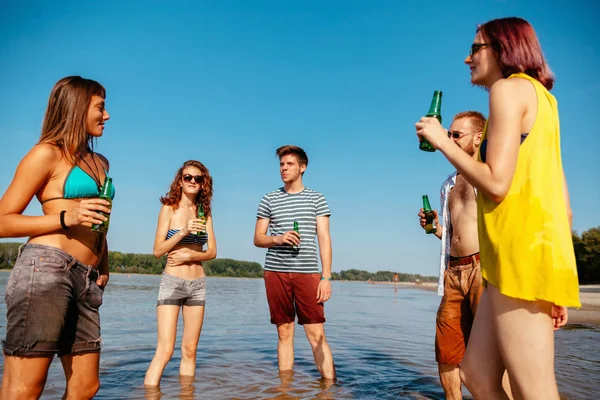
column 524, row 216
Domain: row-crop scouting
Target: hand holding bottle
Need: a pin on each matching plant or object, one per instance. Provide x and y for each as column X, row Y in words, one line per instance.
column 202, row 220
column 431, row 130
column 89, row 212
column 435, row 111
column 194, row 225
column 291, row 238
column 423, row 221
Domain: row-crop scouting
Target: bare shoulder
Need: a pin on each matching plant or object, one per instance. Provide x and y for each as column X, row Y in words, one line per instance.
column 104, row 161
column 43, row 156
column 166, row 211
column 45, row 152
column 513, row 90
column 510, row 97
column 506, row 87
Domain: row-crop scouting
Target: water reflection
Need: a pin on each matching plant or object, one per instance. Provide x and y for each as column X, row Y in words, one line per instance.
column 187, row 388
column 152, row 392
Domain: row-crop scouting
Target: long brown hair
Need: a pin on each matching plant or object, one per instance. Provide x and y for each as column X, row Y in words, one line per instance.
column 204, row 195
column 65, row 120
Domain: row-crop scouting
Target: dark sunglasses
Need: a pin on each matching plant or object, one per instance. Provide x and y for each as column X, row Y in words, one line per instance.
column 187, row 178
column 475, row 47
column 456, row 134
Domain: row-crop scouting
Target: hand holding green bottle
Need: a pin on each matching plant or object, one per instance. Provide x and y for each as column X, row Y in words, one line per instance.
column 435, row 111
column 106, row 193
column 202, row 219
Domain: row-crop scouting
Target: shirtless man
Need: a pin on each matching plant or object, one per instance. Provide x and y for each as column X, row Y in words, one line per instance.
column 460, row 276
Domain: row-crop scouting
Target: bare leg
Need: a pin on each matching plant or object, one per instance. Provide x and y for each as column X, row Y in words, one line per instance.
column 82, row 373
column 506, row 386
column 450, row 379
column 482, row 367
column 526, row 343
column 192, row 326
column 285, row 346
column 166, row 317
column 321, row 351
column 24, row 377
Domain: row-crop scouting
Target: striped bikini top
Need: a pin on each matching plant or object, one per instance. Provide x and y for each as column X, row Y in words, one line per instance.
column 189, row 238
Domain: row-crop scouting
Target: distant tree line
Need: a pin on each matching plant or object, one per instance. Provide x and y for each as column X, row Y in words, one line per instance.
column 587, row 254
column 379, row 276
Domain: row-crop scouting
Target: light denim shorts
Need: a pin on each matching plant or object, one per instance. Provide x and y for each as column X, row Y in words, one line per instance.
column 175, row 291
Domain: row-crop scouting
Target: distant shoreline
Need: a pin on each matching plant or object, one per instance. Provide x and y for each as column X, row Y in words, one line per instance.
column 588, row 314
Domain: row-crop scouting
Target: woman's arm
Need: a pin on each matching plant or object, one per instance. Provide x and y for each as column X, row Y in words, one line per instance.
column 211, row 246
column 33, row 172
column 185, row 255
column 567, row 201
column 161, row 245
column 103, row 267
column 494, row 177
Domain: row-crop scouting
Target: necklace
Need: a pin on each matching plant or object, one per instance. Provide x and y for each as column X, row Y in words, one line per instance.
column 95, row 177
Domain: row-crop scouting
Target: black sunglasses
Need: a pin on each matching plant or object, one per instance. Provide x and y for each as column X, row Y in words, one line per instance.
column 475, row 47
column 187, row 178
column 456, row 134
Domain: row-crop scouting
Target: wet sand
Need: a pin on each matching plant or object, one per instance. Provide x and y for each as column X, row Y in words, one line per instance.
column 589, row 313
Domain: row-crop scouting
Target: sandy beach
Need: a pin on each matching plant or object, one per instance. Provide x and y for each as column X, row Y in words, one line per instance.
column 589, row 295
column 589, row 313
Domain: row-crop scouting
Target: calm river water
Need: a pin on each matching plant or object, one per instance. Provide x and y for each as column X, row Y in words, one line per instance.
column 381, row 338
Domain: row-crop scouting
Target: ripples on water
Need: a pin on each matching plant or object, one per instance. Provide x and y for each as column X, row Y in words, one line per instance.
column 381, row 338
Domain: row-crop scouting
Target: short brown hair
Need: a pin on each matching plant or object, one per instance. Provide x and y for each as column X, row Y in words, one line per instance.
column 295, row 151
column 518, row 49
column 477, row 119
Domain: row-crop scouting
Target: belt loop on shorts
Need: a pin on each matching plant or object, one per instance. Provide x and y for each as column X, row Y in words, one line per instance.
column 71, row 263
column 20, row 249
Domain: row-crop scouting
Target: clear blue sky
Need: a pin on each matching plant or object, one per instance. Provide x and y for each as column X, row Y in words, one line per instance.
column 227, row 82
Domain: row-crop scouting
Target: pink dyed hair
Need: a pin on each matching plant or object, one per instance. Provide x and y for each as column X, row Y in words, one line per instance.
column 518, row 49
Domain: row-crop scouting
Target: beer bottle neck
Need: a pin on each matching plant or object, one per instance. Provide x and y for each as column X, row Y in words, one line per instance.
column 426, row 205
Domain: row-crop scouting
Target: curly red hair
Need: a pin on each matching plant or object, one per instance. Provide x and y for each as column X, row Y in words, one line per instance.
column 205, row 193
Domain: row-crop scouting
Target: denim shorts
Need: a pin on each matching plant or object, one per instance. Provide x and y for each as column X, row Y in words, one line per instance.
column 175, row 291
column 52, row 303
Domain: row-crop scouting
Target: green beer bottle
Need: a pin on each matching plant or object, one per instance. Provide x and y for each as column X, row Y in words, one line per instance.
column 105, row 194
column 429, row 217
column 202, row 217
column 297, row 246
column 435, row 110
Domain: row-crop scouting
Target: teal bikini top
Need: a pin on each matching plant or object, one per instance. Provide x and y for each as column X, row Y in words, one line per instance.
column 78, row 185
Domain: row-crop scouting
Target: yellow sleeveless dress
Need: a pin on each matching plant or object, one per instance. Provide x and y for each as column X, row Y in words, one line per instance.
column 525, row 242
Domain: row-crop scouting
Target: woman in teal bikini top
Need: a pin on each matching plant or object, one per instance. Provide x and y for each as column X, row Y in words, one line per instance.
column 62, row 254
column 79, row 185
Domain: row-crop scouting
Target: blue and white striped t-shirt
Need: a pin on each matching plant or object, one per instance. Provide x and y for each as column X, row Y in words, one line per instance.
column 282, row 209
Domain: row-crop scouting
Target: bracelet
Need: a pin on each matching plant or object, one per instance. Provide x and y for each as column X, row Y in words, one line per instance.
column 62, row 219
column 323, row 278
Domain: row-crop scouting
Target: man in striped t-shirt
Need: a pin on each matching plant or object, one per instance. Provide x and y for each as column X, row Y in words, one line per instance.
column 292, row 280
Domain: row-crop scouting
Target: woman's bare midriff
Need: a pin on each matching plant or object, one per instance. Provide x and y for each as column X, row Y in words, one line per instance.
column 189, row 271
column 79, row 241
